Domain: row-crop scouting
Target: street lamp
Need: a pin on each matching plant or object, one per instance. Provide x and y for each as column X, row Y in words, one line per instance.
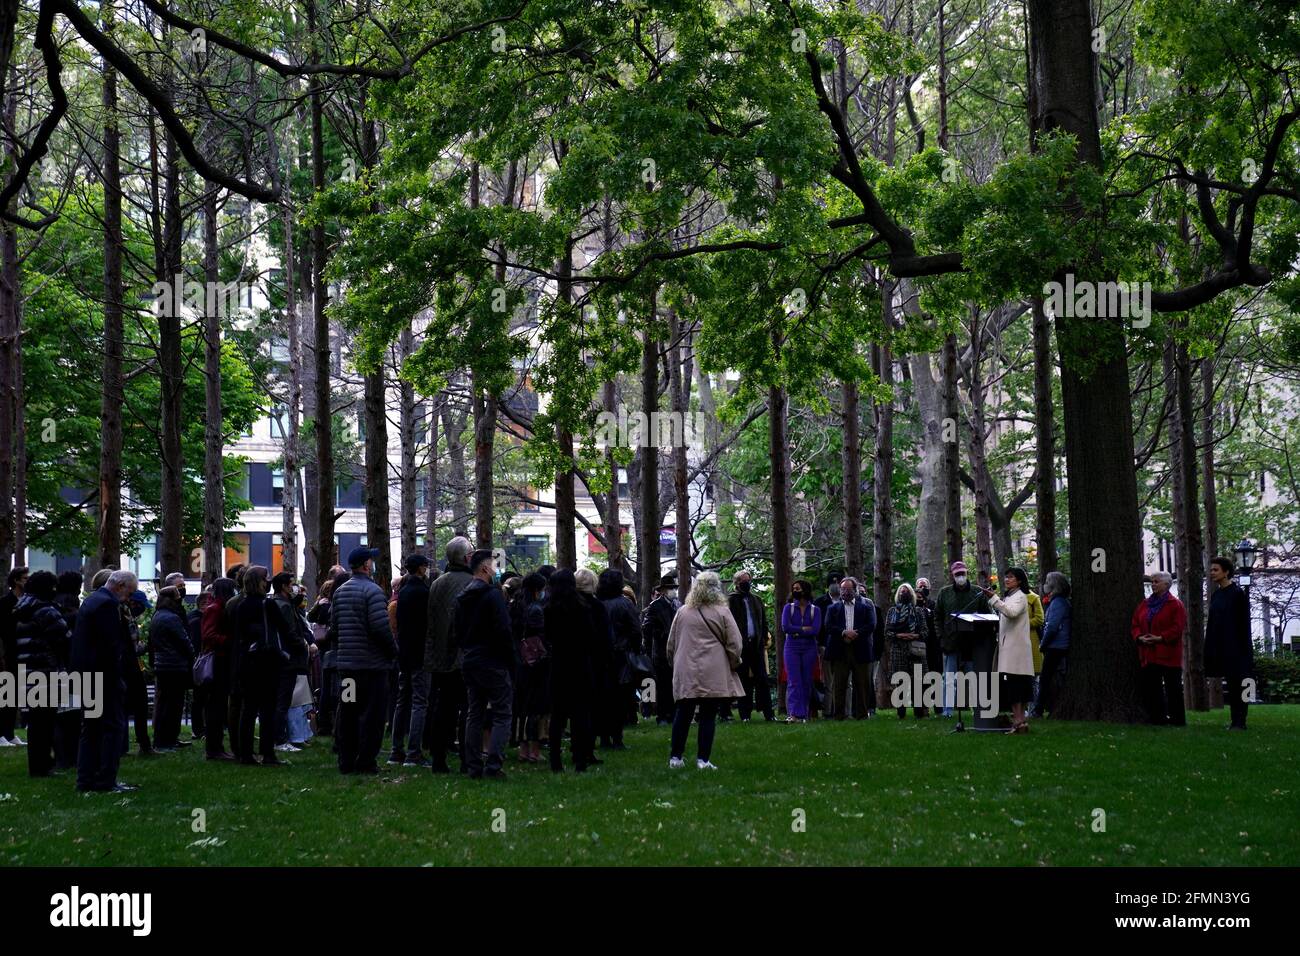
column 1246, row 554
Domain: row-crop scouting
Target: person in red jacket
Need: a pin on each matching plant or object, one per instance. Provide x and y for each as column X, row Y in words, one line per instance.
column 1158, row 626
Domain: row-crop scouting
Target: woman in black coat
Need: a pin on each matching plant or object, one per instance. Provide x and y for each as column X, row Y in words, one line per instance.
column 570, row 636
column 625, row 633
column 532, row 673
column 1229, row 650
column 42, row 642
column 67, row 725
column 173, row 663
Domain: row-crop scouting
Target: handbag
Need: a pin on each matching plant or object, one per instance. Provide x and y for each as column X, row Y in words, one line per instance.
column 203, row 670
column 533, row 650
column 637, row 667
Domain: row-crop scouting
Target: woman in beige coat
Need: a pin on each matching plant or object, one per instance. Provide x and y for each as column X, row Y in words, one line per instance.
column 704, row 644
column 1015, row 660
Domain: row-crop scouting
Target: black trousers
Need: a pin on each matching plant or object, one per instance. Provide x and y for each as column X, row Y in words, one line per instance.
column 137, row 706
column 283, row 698
column 168, row 702
column 489, row 694
column 216, row 705
column 664, row 692
column 258, row 681
column 67, row 738
column 362, row 711
column 682, row 726
column 1050, row 679
column 9, row 715
column 1235, row 696
column 1162, row 694
column 199, row 710
column 100, row 749
column 582, row 740
column 448, row 723
column 40, row 741
column 753, row 678
column 614, row 712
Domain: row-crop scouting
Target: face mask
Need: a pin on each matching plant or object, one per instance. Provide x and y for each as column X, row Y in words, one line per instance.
column 959, row 580
column 744, row 587
column 798, row 595
column 925, row 592
column 907, row 599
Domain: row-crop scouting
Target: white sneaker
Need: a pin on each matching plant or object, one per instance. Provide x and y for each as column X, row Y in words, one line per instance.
column 288, row 748
column 676, row 763
column 5, row 743
column 704, row 765
column 16, row 741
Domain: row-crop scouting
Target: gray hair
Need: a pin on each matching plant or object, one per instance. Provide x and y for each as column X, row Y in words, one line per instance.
column 735, row 578
column 1056, row 583
column 458, row 550
column 584, row 579
column 1164, row 576
column 853, row 582
column 175, row 580
column 706, row 591
column 124, row 580
column 904, row 588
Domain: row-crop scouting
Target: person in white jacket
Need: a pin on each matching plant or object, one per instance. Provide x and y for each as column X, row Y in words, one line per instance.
column 1015, row 660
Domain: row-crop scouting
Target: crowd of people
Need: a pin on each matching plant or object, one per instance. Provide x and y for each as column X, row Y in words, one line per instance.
column 464, row 662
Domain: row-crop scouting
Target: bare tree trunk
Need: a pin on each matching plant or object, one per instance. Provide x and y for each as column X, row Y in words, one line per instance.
column 1191, row 580
column 406, row 430
column 11, row 403
column 453, row 426
column 851, row 472
column 613, row 529
column 978, row 464
column 293, row 331
column 170, row 359
column 214, row 487
column 882, row 528
column 376, row 451
column 324, row 415
column 1209, row 498
column 931, row 515
column 1045, row 443
column 951, row 448
column 431, row 482
column 648, row 526
column 680, row 386
column 566, row 507
column 779, row 463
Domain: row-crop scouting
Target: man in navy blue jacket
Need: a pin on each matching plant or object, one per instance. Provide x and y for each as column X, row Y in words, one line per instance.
column 850, row 628
column 101, row 644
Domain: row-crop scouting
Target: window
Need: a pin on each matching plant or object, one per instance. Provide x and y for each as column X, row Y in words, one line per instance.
column 280, row 421
column 279, row 349
column 668, row 544
column 39, row 561
column 238, row 548
column 595, row 547
column 245, row 485
column 145, row 563
column 277, row 553
column 277, row 485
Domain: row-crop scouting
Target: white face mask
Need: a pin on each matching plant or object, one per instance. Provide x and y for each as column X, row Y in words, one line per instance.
column 959, row 580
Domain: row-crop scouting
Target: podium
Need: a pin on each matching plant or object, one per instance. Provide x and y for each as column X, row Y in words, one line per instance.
column 977, row 642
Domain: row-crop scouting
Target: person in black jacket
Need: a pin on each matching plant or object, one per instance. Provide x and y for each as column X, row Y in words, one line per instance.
column 481, row 620
column 656, row 621
column 101, row 646
column 261, row 637
column 750, row 615
column 412, row 679
column 16, row 581
column 570, row 638
column 42, row 642
column 294, row 644
column 1229, row 651
column 194, row 628
column 625, row 633
column 532, row 666
column 173, row 660
column 67, row 725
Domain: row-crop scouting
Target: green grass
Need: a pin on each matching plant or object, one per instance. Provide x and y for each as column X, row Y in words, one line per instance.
column 878, row 792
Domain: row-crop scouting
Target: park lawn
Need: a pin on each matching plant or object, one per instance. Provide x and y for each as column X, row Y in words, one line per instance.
column 878, row 792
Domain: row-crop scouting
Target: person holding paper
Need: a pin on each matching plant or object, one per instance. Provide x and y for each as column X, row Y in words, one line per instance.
column 1015, row 660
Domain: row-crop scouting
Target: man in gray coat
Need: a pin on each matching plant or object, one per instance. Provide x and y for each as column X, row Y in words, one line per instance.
column 441, row 658
column 367, row 653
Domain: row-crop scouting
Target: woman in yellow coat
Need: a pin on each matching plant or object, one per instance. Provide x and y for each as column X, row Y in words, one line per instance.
column 1015, row 659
